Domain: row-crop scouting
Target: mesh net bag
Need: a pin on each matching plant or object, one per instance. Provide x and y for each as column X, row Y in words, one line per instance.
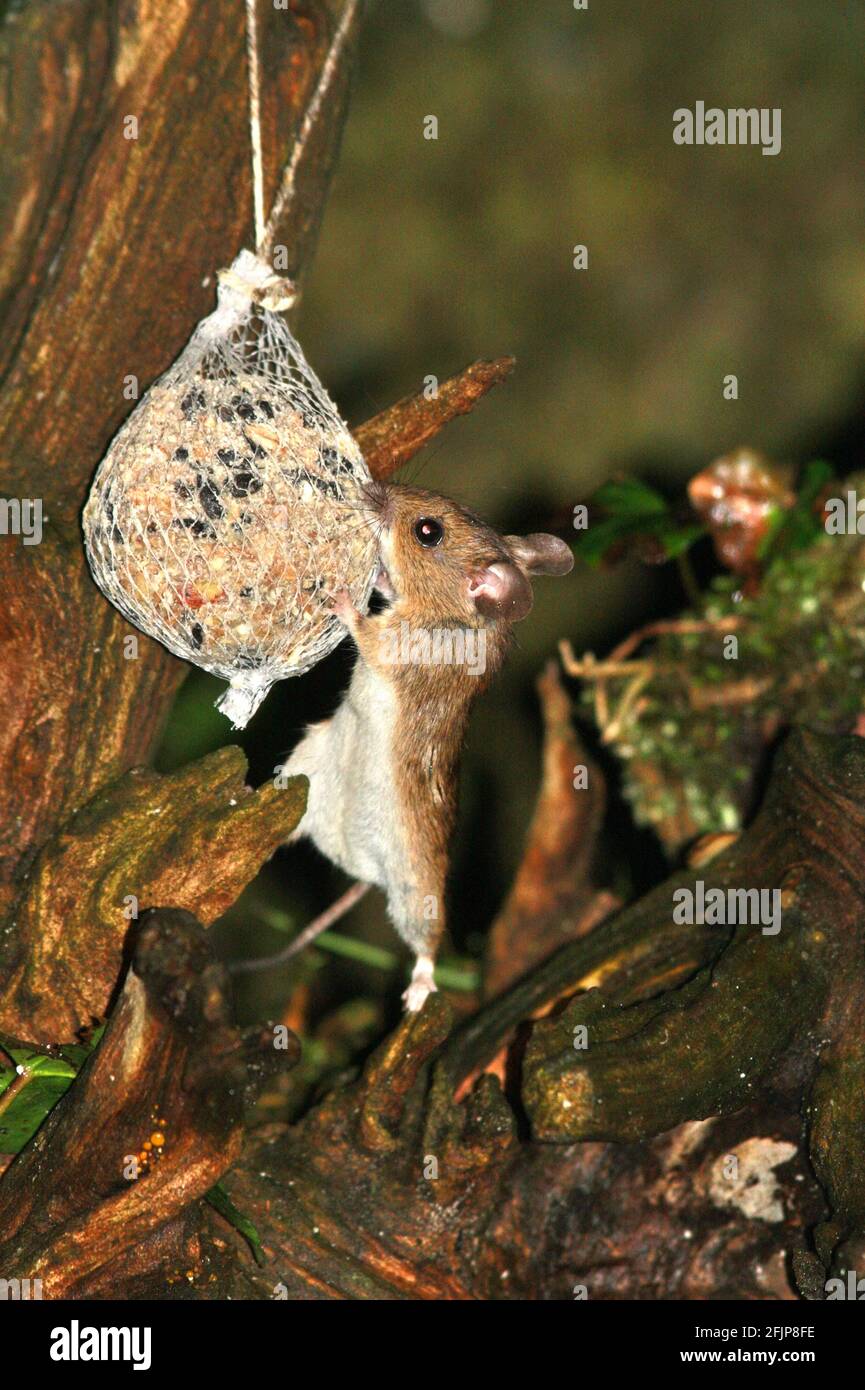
column 229, row 509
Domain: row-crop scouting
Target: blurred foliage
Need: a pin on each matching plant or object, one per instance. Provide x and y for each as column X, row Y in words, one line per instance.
column 694, row 744
column 632, row 512
column 628, row 513
column 803, row 523
column 554, row 130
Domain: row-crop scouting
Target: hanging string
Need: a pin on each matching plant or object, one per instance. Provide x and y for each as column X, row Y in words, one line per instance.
column 255, row 120
column 286, row 187
column 264, row 233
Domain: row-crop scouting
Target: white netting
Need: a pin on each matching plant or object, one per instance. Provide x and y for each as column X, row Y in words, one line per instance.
column 229, row 509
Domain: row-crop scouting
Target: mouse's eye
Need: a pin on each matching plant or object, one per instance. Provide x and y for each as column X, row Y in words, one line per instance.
column 429, row 531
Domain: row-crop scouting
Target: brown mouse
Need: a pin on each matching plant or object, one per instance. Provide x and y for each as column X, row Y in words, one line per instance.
column 383, row 771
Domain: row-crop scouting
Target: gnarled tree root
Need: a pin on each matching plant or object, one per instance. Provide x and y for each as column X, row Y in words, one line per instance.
column 109, row 1188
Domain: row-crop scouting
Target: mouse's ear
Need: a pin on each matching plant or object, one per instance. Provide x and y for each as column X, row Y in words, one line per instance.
column 501, row 591
column 540, row 553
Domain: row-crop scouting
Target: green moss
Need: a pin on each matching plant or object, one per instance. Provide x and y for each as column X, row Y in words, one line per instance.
column 800, row 660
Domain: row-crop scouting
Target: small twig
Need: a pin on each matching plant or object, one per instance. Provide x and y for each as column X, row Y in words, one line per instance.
column 15, row 1087
column 626, row 706
column 680, row 627
column 390, row 439
column 319, row 924
column 602, row 705
column 589, row 668
column 617, row 663
column 599, row 672
column 639, row 672
column 742, row 692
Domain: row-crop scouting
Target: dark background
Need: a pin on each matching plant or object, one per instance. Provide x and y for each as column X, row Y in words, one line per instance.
column 555, row 128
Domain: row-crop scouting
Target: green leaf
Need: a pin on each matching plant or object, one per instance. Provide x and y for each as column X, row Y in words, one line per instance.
column 799, row 526
column 457, row 977
column 48, row 1077
column 221, row 1202
column 279, row 920
column 677, row 539
column 624, row 497
column 593, row 544
column 464, row 978
column 633, row 510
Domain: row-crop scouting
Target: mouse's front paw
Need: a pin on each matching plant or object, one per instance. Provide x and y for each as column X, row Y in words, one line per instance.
column 343, row 608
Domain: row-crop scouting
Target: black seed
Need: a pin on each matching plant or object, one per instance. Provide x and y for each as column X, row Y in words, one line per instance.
column 117, row 535
column 196, row 632
column 325, row 485
column 192, row 401
column 181, row 454
column 226, row 456
column 183, row 489
column 333, row 460
column 225, row 414
column 246, row 591
column 245, row 411
column 196, row 526
column 257, row 451
column 267, row 409
column 209, row 498
column 244, row 484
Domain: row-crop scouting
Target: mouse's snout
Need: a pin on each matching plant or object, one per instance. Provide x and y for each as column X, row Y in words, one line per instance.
column 379, row 502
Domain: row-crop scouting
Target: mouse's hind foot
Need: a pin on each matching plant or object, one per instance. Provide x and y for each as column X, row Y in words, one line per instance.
column 420, row 986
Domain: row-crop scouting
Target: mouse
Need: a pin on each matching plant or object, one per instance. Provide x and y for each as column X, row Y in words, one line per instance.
column 383, row 770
